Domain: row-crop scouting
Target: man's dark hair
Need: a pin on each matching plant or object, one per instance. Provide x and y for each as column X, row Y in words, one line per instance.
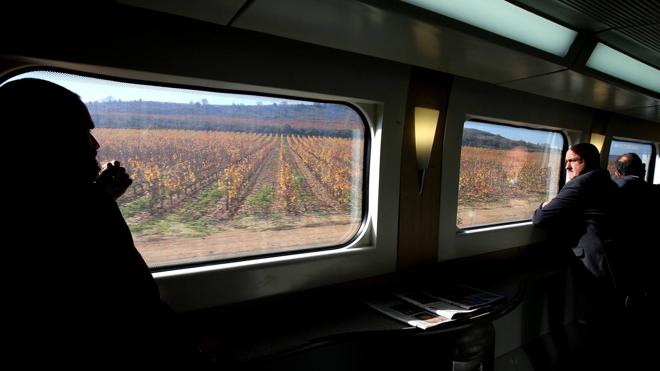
column 589, row 154
column 630, row 164
column 53, row 122
column 35, row 104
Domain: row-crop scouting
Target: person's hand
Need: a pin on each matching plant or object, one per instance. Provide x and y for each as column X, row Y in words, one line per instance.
column 114, row 179
column 545, row 203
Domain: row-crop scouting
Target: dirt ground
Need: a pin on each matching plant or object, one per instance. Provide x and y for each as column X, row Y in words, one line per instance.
column 502, row 212
column 236, row 243
column 239, row 240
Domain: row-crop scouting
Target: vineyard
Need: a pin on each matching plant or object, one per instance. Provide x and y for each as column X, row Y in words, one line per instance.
column 498, row 186
column 200, row 195
column 195, row 185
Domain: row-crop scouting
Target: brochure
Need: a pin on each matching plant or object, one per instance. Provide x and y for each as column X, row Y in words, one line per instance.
column 405, row 311
column 463, row 296
column 434, row 305
column 437, row 305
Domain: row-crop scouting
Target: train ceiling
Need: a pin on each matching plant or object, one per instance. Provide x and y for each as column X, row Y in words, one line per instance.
column 397, row 31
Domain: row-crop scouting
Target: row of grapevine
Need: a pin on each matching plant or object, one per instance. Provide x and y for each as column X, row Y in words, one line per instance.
column 287, row 187
column 331, row 159
column 172, row 169
column 236, row 176
column 169, row 165
column 490, row 174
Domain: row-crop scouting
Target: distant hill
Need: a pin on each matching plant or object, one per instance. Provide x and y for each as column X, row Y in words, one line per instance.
column 302, row 119
column 480, row 138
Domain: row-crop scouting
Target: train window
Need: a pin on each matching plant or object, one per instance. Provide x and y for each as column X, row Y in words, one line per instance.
column 222, row 175
column 506, row 172
column 619, row 147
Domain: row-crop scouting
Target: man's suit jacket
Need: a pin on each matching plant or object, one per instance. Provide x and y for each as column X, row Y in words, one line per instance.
column 581, row 215
column 637, row 195
column 639, row 203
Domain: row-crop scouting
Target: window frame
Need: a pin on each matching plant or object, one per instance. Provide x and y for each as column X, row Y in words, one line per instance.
column 366, row 161
column 653, row 169
column 502, row 225
column 650, row 168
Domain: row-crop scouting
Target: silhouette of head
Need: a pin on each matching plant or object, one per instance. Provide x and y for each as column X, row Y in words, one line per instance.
column 630, row 164
column 56, row 125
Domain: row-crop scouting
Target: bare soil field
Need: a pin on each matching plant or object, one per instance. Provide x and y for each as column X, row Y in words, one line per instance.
column 238, row 242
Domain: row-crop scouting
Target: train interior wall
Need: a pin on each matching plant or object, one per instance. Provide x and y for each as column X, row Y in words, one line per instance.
column 165, row 48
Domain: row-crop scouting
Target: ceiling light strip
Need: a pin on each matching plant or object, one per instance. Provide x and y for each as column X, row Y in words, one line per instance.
column 614, row 63
column 507, row 20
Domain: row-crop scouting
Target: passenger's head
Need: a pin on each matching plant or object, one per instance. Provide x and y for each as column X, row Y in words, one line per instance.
column 629, row 164
column 56, row 126
column 581, row 158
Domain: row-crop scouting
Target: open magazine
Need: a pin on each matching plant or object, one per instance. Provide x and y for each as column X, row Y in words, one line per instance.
column 437, row 305
column 434, row 305
column 404, row 311
column 463, row 296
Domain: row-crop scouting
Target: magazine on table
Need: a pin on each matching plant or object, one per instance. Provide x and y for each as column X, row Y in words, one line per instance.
column 405, row 311
column 463, row 296
column 437, row 305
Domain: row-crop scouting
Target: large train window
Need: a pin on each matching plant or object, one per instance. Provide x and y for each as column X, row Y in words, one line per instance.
column 222, row 175
column 506, row 172
column 619, row 147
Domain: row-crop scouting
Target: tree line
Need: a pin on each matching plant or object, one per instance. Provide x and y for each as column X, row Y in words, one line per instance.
column 317, row 119
column 484, row 139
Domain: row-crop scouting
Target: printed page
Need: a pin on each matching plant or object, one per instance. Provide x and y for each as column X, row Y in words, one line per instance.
column 436, row 305
column 405, row 311
column 463, row 296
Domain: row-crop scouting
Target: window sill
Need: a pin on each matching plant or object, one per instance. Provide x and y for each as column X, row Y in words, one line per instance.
column 489, row 228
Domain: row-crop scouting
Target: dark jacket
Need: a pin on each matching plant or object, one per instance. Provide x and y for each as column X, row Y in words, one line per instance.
column 638, row 221
column 581, row 215
column 639, row 195
column 91, row 301
column 631, row 182
column 638, row 201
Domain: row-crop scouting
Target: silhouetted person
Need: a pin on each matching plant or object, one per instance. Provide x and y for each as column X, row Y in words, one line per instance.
column 581, row 216
column 84, row 297
column 637, row 228
column 629, row 176
column 637, row 194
